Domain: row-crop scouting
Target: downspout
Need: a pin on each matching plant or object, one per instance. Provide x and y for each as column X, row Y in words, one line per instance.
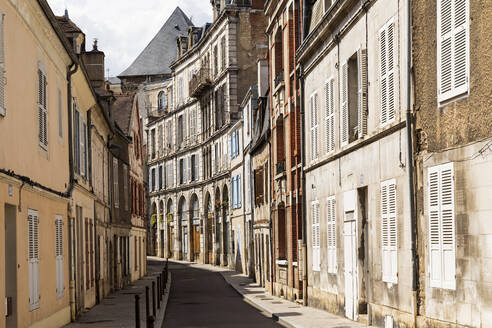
column 72, row 69
column 272, row 260
column 411, row 182
column 303, row 182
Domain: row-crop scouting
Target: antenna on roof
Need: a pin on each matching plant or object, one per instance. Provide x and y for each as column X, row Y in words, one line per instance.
column 66, row 10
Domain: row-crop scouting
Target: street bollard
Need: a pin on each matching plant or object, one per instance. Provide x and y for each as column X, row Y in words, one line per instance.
column 137, row 311
column 153, row 298
column 158, row 292
column 147, row 309
column 150, row 321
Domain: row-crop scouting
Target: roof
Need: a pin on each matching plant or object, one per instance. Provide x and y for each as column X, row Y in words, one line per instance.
column 114, row 80
column 66, row 24
column 161, row 51
column 122, row 112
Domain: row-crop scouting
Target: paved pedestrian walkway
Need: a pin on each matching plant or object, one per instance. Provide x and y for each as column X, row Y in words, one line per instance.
column 287, row 313
column 118, row 308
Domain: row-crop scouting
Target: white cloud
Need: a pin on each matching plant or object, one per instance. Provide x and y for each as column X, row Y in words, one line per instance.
column 125, row 27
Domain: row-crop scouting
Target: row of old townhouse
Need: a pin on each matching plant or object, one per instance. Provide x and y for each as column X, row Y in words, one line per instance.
column 338, row 151
column 72, row 202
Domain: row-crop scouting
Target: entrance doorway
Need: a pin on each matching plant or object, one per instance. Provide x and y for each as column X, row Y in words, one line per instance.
column 10, row 266
column 350, row 254
column 196, row 242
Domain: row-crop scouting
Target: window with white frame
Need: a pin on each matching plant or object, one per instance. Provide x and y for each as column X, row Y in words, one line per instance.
column 452, row 48
column 315, row 239
column 389, row 231
column 42, row 109
column 330, row 114
column 331, row 233
column 33, row 253
column 236, row 191
column 314, row 126
column 442, row 241
column 388, row 58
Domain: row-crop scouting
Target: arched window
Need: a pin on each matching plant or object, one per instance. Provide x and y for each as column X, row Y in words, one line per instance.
column 162, row 100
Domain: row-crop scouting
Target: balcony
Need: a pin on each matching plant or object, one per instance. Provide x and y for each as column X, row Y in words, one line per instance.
column 200, row 82
column 279, row 78
column 156, row 113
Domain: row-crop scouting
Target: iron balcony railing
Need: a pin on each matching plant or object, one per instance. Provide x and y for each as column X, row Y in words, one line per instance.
column 200, row 82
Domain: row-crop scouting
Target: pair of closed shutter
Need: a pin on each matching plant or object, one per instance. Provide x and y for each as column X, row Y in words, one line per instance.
column 387, row 69
column 331, row 234
column 314, row 126
column 316, row 236
column 234, row 144
column 80, row 142
column 60, row 278
column 361, row 98
column 389, row 231
column 442, row 242
column 33, row 253
column 452, row 48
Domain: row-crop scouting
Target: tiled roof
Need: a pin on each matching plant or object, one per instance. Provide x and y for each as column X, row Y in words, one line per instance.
column 67, row 25
column 162, row 50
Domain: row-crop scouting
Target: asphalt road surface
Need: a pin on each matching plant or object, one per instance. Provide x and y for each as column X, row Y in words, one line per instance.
column 201, row 298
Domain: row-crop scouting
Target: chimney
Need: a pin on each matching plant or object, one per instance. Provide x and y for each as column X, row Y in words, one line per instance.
column 94, row 63
column 262, row 77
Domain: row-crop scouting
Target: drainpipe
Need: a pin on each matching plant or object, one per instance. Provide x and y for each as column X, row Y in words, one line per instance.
column 411, row 182
column 72, row 69
column 303, row 182
column 272, row 260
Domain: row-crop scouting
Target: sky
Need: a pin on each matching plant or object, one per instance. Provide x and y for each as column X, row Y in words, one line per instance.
column 124, row 27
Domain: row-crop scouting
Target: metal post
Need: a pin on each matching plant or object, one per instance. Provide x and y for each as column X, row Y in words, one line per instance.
column 153, row 298
column 137, row 311
column 147, row 308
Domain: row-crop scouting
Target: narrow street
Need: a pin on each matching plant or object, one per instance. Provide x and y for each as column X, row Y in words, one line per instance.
column 202, row 298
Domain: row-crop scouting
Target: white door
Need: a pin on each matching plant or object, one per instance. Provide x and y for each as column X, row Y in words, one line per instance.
column 349, row 243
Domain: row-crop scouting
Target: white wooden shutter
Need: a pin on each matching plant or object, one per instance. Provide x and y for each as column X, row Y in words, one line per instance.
column 362, row 92
column 387, row 69
column 2, row 66
column 389, row 231
column 344, row 124
column 452, row 48
column 60, row 278
column 331, row 234
column 316, row 236
column 42, row 109
column 314, row 126
column 33, row 250
column 330, row 115
column 442, row 242
column 239, row 193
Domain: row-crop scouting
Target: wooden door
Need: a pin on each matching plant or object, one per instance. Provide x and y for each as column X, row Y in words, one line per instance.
column 196, row 242
column 349, row 243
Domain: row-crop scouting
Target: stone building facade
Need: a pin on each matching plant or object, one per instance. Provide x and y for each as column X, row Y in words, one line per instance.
column 452, row 82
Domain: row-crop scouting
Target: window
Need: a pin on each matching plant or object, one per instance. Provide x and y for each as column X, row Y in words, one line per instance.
column 162, row 101
column 236, row 191
column 76, row 138
column 83, row 147
column 42, row 109
column 314, row 126
column 389, row 231
column 354, row 98
column 116, row 190
column 224, row 56
column 216, row 60
column 442, row 242
column 160, row 174
column 170, row 174
column 331, row 234
column 194, row 165
column 33, row 249
column 452, row 48
column 160, row 139
column 60, row 114
column 125, row 185
column 182, row 170
column 234, row 143
column 152, row 136
column 181, row 130
column 60, row 277
column 259, row 194
column 330, row 114
column 388, row 57
column 315, row 240
column 2, row 67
